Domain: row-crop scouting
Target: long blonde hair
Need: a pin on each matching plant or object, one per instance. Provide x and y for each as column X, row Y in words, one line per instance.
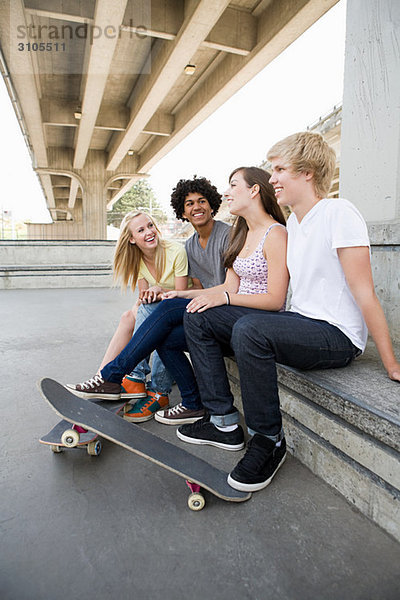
column 127, row 256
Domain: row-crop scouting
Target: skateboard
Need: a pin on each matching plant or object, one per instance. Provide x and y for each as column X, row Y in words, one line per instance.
column 94, row 417
column 63, row 435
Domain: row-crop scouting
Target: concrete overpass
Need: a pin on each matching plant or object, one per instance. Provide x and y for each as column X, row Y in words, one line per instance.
column 103, row 90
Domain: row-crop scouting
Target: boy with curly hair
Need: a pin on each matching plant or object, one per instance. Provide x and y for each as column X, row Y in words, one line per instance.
column 197, row 201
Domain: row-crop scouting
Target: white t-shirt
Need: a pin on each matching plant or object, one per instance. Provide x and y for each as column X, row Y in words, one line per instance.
column 319, row 287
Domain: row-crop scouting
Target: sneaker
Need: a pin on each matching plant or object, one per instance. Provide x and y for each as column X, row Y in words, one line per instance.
column 178, row 415
column 96, row 386
column 259, row 465
column 131, row 388
column 144, row 409
column 205, row 432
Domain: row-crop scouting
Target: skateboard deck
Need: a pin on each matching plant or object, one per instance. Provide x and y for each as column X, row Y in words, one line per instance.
column 88, row 439
column 98, row 419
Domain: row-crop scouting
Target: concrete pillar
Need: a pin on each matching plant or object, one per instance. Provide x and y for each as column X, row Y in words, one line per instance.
column 89, row 213
column 94, row 196
column 370, row 138
column 370, row 146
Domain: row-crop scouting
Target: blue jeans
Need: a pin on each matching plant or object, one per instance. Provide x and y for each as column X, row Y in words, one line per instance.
column 259, row 339
column 161, row 380
column 162, row 330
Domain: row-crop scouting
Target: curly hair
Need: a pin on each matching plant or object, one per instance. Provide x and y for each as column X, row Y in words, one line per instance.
column 199, row 185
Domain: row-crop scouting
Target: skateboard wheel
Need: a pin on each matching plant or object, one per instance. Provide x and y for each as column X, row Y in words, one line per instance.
column 196, row 501
column 55, row 449
column 94, row 448
column 70, row 438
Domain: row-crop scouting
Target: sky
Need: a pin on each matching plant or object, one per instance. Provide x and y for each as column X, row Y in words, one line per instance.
column 302, row 84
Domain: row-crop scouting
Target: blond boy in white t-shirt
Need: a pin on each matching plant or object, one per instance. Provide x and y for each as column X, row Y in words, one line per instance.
column 333, row 306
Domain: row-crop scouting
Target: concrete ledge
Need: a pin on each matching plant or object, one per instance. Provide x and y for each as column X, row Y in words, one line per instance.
column 361, row 394
column 34, row 252
column 55, row 264
column 54, row 276
column 50, row 268
column 344, row 424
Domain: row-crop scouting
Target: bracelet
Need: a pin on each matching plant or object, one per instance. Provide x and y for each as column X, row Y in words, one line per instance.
column 228, row 300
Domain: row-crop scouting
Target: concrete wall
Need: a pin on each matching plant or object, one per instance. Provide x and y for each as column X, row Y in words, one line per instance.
column 385, row 258
column 54, row 264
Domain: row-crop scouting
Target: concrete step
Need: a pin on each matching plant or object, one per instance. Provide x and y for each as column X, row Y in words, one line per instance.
column 344, row 424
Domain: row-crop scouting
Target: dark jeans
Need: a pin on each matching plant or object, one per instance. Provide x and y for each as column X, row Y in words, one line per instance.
column 258, row 339
column 161, row 331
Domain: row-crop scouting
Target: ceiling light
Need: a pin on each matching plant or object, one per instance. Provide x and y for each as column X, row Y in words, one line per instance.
column 190, row 69
column 78, row 114
column 130, row 152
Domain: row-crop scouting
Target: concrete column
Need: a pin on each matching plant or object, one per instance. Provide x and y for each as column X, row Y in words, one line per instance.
column 370, row 138
column 370, row 144
column 94, row 196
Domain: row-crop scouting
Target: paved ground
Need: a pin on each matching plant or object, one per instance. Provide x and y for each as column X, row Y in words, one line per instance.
column 116, row 526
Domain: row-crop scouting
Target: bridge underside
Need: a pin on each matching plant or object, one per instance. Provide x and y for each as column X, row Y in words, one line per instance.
column 103, row 90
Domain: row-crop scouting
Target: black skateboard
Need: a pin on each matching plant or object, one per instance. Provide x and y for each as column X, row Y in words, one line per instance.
column 96, row 418
column 63, row 435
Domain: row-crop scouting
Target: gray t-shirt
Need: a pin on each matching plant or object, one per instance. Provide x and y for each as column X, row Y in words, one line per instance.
column 207, row 264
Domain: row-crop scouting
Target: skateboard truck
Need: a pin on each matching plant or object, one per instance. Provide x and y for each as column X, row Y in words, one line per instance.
column 196, row 500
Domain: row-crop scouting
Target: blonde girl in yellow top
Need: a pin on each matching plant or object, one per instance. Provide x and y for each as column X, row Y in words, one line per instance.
column 155, row 265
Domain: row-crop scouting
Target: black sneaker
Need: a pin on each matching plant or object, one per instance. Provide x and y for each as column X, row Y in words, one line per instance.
column 205, row 432
column 259, row 465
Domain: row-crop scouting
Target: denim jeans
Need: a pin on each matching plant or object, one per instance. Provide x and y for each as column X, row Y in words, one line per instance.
column 259, row 339
column 161, row 380
column 162, row 330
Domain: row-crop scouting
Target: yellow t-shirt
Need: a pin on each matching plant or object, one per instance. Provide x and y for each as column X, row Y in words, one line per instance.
column 176, row 265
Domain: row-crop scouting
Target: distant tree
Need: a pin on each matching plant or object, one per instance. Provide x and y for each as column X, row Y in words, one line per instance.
column 139, row 197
